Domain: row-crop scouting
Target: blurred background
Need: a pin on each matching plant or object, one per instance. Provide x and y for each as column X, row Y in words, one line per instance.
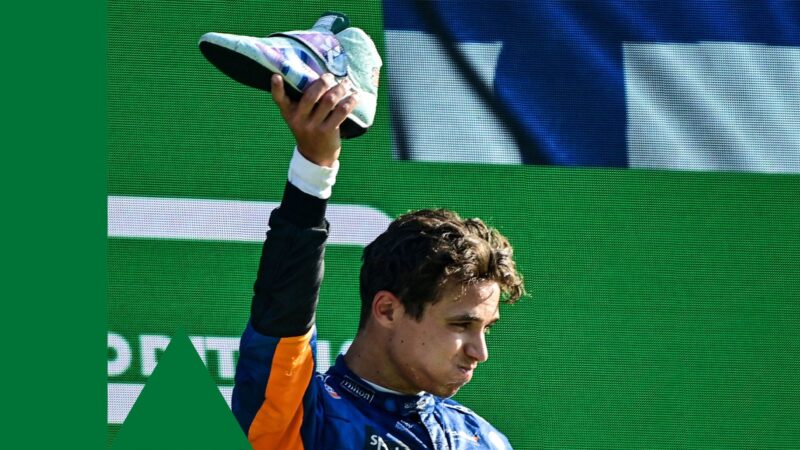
column 642, row 157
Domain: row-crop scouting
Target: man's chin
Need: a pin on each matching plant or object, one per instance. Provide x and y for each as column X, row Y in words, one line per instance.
column 449, row 390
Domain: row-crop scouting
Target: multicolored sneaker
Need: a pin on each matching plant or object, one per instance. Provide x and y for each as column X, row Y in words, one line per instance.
column 301, row 56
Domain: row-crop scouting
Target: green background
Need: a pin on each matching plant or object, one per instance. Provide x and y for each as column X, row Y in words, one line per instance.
column 53, row 181
column 664, row 308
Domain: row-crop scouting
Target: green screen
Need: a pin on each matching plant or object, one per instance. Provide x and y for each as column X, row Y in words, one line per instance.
column 664, row 306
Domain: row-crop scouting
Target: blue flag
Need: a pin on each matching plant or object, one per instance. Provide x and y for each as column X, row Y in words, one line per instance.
column 697, row 85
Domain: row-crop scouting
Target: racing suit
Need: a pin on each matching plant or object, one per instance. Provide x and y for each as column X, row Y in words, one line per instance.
column 279, row 399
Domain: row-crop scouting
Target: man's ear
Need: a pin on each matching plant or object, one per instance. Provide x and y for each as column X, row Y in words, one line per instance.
column 386, row 309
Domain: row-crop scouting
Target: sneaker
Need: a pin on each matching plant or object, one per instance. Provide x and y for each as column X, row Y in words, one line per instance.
column 331, row 45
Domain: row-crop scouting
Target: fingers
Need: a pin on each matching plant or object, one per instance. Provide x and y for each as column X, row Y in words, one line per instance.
column 279, row 94
column 313, row 94
column 328, row 101
column 340, row 113
column 322, row 105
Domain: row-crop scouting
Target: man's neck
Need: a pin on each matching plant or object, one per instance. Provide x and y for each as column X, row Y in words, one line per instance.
column 367, row 358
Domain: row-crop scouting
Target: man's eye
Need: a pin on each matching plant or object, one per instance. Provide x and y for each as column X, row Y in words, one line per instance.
column 461, row 326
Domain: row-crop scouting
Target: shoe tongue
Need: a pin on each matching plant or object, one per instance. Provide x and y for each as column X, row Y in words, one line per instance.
column 332, row 21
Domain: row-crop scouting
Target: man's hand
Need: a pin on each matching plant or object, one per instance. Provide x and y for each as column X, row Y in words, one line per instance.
column 315, row 119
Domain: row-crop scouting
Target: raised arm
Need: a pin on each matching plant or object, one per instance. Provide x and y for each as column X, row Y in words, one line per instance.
column 291, row 269
column 276, row 361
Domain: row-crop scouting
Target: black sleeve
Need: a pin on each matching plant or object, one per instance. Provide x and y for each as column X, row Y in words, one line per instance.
column 290, row 271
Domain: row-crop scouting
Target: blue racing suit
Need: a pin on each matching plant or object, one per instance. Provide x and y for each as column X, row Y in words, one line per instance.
column 279, row 399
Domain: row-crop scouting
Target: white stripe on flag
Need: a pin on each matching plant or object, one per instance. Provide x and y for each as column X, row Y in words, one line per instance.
column 444, row 118
column 713, row 106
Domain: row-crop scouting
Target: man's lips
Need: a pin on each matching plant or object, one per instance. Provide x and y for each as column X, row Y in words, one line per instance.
column 467, row 371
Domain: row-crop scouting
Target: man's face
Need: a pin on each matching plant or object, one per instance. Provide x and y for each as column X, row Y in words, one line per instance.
column 439, row 352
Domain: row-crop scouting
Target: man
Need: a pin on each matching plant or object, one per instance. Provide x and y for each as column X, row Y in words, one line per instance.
column 430, row 286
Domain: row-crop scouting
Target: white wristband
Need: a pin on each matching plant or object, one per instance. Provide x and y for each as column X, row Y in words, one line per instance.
column 310, row 178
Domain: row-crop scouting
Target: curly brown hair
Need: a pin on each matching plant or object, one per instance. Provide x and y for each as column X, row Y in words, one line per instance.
column 423, row 250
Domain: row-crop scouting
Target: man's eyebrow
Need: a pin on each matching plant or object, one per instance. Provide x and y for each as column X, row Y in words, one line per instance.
column 467, row 317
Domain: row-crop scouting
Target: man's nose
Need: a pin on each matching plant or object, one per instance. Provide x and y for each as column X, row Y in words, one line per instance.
column 476, row 348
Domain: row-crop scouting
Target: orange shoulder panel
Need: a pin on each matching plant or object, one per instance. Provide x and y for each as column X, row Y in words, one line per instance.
column 277, row 423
